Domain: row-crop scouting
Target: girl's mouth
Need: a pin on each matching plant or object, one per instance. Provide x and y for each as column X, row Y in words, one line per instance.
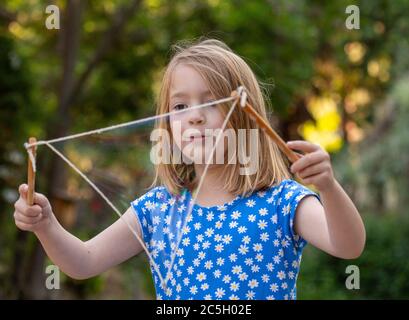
column 197, row 138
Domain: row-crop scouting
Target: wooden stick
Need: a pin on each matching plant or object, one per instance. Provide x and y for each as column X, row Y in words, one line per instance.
column 31, row 175
column 291, row 155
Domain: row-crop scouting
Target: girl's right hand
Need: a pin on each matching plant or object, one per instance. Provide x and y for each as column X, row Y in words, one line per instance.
column 32, row 218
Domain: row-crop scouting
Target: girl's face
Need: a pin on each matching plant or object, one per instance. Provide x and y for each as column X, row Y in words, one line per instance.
column 193, row 130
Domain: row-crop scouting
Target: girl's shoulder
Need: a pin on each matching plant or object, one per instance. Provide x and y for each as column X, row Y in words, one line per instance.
column 283, row 192
column 152, row 195
column 290, row 185
column 160, row 196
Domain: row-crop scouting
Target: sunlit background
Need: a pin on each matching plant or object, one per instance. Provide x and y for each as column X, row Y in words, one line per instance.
column 347, row 90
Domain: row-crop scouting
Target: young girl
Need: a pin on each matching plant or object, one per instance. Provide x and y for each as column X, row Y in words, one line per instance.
column 246, row 233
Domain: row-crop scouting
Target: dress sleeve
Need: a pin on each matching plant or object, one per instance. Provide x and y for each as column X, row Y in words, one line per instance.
column 140, row 207
column 290, row 197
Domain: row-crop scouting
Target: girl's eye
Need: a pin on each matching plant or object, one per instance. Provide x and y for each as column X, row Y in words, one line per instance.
column 180, row 106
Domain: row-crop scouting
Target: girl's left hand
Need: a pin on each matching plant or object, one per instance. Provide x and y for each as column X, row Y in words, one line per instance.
column 314, row 167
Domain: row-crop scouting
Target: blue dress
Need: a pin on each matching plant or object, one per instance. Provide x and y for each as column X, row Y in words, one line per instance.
column 244, row 249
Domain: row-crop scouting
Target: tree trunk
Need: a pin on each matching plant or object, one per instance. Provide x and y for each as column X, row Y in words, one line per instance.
column 56, row 175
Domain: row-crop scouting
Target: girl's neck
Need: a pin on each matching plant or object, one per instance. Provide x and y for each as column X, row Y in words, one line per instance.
column 212, row 191
column 212, row 179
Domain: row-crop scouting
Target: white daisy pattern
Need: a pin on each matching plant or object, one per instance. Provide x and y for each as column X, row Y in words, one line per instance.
column 245, row 249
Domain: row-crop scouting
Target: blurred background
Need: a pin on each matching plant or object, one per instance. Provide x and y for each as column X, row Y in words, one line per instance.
column 347, row 90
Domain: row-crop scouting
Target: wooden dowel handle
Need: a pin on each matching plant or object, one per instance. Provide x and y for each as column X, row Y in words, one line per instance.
column 31, row 175
column 291, row 155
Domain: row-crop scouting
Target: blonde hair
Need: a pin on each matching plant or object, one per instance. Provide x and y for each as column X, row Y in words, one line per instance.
column 223, row 72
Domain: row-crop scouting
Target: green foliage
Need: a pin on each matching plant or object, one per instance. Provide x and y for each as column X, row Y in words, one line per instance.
column 388, row 157
column 380, row 170
column 384, row 271
column 15, row 115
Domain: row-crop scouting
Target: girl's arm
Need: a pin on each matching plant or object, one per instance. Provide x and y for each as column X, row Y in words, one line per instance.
column 335, row 226
column 82, row 260
column 76, row 258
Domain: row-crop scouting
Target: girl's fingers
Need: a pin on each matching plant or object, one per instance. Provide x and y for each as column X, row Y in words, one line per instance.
column 22, row 189
column 41, row 200
column 307, row 160
column 24, row 226
column 26, row 219
column 303, row 146
column 21, row 205
column 312, row 178
column 33, row 211
column 30, row 211
column 312, row 170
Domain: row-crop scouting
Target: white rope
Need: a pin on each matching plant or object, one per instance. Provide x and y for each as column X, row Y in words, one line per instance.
column 108, row 201
column 125, row 124
column 32, row 159
column 199, row 186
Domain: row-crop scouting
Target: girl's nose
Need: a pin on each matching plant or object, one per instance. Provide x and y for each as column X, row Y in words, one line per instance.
column 196, row 117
